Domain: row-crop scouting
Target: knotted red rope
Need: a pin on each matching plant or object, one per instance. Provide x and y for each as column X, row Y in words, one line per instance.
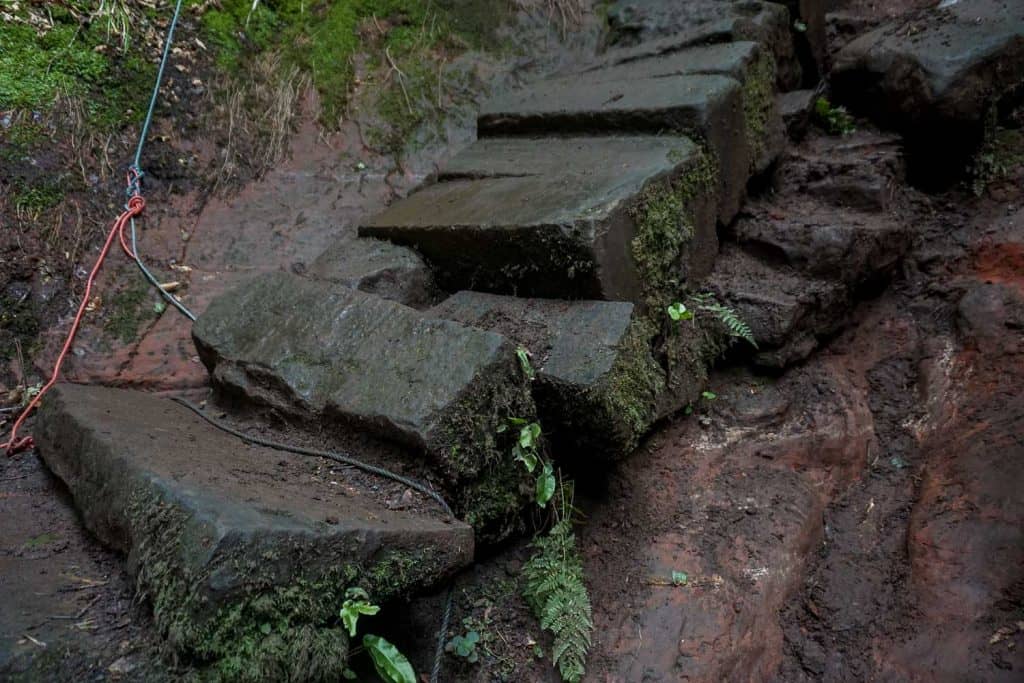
column 134, row 207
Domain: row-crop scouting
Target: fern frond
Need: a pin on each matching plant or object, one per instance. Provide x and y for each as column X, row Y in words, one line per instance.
column 555, row 591
column 734, row 324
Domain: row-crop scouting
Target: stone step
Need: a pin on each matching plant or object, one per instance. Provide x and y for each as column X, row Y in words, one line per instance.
column 935, row 75
column 706, row 107
column 598, row 385
column 616, row 218
column 851, row 247
column 744, row 61
column 376, row 267
column 332, row 355
column 788, row 312
column 244, row 552
column 644, row 28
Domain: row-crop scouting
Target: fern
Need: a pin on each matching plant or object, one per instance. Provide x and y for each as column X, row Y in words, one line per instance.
column 734, row 324
column 556, row 593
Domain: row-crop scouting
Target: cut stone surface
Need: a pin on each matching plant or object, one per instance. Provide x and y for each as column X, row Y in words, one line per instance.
column 376, row 267
column 788, row 313
column 650, row 27
column 325, row 352
column 744, row 61
column 617, row 218
column 598, row 385
column 708, row 107
column 935, row 74
column 223, row 538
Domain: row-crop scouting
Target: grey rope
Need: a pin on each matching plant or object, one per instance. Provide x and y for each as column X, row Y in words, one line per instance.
column 366, row 467
column 136, row 170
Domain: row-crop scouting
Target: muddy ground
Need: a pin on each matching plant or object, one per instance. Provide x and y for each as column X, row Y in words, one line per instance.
column 856, row 517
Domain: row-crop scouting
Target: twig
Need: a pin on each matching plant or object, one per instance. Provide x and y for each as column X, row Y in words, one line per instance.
column 81, row 612
column 401, row 79
column 34, row 640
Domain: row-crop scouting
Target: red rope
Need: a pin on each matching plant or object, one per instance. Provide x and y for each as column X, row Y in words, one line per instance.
column 135, row 206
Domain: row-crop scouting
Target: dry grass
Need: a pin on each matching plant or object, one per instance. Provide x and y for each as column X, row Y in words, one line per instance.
column 255, row 116
column 568, row 13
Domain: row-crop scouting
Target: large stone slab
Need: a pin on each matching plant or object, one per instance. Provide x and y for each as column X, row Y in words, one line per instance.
column 376, row 267
column 787, row 312
column 708, row 107
column 745, row 61
column 644, row 28
column 618, row 218
column 935, row 75
column 244, row 556
column 327, row 353
column 598, row 385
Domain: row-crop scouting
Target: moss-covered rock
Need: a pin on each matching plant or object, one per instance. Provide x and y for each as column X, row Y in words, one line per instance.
column 244, row 560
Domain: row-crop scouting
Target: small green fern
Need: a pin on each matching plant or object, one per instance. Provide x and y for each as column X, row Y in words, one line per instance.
column 734, row 324
column 557, row 595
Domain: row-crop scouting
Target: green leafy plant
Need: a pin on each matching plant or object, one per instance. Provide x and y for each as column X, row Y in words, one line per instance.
column 679, row 578
column 555, row 591
column 524, row 362
column 464, row 646
column 708, row 395
column 390, row 664
column 526, row 450
column 835, row 120
column 678, row 312
column 356, row 602
column 734, row 324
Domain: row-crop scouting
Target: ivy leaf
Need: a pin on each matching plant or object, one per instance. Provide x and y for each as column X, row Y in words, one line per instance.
column 678, row 311
column 529, row 434
column 546, row 485
column 391, row 665
column 527, row 457
column 708, row 395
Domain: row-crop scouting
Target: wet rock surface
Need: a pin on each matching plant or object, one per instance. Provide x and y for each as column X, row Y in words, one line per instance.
column 562, row 216
column 935, row 75
column 214, row 529
column 322, row 352
column 376, row 267
column 598, row 386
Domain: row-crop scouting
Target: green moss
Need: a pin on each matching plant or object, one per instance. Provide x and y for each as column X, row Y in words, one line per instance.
column 46, row 193
column 127, row 311
column 664, row 225
column 630, row 392
column 490, row 487
column 758, row 105
column 18, row 324
column 71, row 59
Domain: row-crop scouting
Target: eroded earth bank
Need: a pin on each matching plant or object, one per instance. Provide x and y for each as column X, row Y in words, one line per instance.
column 757, row 270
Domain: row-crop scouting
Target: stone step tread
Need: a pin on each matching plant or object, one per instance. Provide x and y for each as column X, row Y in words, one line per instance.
column 328, row 354
column 645, row 28
column 211, row 525
column 731, row 59
column 597, row 384
column 554, row 216
column 786, row 311
column 376, row 267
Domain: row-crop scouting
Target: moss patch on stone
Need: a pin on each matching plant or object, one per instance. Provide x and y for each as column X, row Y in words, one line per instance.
column 664, row 225
column 489, row 487
column 758, row 103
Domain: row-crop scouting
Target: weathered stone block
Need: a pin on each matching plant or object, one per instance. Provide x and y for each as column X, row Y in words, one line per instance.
column 707, row 107
column 644, row 28
column 326, row 352
column 618, row 218
column 597, row 385
column 745, row 61
column 376, row 267
column 796, row 108
column 223, row 538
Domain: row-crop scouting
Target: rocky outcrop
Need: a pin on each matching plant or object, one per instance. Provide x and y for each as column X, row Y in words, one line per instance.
column 935, row 75
column 244, row 556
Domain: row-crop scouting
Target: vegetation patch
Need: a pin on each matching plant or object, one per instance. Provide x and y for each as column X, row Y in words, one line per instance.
column 758, row 104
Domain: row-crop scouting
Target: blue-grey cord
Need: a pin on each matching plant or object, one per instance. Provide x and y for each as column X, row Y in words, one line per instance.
column 133, row 186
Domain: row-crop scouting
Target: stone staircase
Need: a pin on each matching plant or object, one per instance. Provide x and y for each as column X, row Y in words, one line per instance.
column 589, row 203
